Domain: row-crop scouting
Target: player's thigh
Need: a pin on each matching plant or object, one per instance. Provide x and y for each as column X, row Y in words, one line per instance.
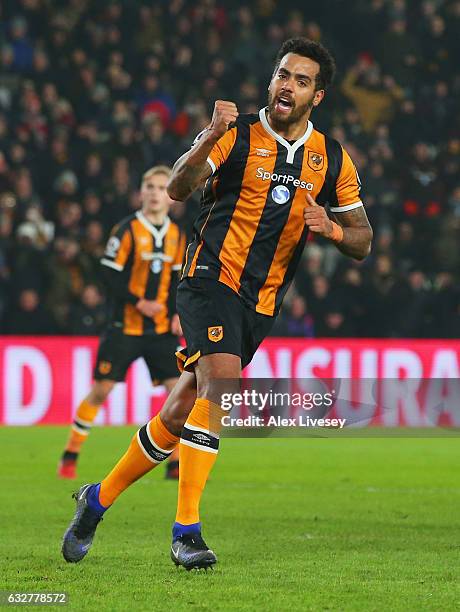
column 116, row 353
column 170, row 383
column 256, row 327
column 211, row 316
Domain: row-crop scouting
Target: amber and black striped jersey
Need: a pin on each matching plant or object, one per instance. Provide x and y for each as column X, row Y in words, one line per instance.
column 250, row 232
column 148, row 259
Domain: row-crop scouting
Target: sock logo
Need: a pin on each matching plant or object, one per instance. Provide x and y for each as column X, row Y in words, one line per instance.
column 150, row 449
column 157, row 455
column 201, row 438
column 216, row 333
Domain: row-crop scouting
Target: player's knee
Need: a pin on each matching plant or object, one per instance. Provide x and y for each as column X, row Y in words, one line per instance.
column 173, row 417
column 100, row 391
column 216, row 375
column 179, row 403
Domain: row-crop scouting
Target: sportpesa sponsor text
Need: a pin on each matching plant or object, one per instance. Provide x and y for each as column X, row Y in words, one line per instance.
column 286, row 179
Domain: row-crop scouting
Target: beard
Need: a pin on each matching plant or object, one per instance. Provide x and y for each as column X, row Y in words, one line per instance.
column 297, row 112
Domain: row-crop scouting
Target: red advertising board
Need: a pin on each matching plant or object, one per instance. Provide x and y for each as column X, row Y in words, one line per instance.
column 42, row 380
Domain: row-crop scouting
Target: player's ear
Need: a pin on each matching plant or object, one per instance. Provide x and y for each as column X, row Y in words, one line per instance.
column 319, row 95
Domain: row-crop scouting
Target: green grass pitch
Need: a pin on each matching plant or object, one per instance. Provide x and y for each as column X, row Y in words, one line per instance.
column 297, row 524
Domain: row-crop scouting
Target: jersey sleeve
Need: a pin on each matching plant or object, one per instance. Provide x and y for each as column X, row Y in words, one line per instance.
column 347, row 187
column 221, row 150
column 118, row 248
column 179, row 258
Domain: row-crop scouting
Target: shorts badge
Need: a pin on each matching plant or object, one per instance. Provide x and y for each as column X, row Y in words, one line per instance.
column 105, row 367
column 315, row 161
column 215, row 333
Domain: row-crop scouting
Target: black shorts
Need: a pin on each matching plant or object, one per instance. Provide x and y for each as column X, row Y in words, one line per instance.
column 117, row 351
column 214, row 319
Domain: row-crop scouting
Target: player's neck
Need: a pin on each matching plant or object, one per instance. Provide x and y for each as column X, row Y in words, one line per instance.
column 155, row 218
column 290, row 132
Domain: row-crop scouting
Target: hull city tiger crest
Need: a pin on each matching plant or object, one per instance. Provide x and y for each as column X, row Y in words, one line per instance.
column 215, row 333
column 315, row 161
column 105, row 367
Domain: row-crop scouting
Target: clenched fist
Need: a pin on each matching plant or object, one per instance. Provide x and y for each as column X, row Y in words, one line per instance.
column 316, row 219
column 223, row 114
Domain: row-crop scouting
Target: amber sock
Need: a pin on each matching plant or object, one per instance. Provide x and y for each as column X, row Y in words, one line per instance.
column 199, row 444
column 84, row 418
column 151, row 445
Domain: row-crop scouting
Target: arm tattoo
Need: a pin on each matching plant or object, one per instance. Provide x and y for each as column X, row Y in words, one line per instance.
column 357, row 233
column 191, row 170
column 186, row 178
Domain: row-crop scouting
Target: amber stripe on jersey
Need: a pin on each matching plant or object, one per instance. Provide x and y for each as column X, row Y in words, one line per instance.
column 333, row 158
column 219, row 154
column 290, row 237
column 250, row 231
column 209, row 199
column 134, row 322
column 219, row 205
column 248, row 210
column 269, row 231
column 125, row 248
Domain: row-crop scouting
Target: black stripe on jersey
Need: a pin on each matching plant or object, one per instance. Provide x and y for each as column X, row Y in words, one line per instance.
column 190, row 252
column 206, row 203
column 118, row 306
column 200, row 437
column 271, row 226
column 228, row 189
column 334, row 153
column 152, row 450
column 153, row 279
column 151, row 288
column 171, row 302
column 290, row 270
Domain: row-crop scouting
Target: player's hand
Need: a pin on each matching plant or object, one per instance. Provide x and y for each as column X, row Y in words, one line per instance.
column 316, row 218
column 149, row 308
column 224, row 113
column 176, row 327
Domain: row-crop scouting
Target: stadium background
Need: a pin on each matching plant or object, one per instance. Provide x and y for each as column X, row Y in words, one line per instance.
column 94, row 93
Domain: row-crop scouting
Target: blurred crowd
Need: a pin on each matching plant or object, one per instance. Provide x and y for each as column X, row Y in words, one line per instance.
column 92, row 93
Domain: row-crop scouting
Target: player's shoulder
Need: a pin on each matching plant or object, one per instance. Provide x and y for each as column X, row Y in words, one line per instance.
column 125, row 224
column 247, row 119
column 174, row 227
column 324, row 145
column 330, row 144
column 239, row 130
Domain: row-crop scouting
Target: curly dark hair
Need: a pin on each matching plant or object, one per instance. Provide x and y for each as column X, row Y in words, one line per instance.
column 316, row 52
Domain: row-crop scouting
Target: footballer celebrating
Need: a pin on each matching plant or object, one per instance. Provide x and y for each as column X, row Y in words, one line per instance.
column 141, row 267
column 268, row 179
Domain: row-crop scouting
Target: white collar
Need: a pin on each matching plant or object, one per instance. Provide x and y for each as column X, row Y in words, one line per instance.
column 291, row 149
column 158, row 234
